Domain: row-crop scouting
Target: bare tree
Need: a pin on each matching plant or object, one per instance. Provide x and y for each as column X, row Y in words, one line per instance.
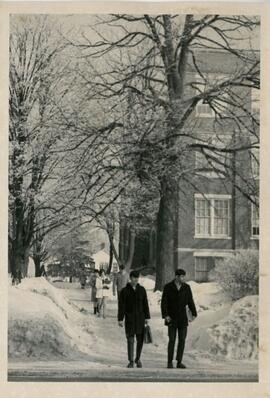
column 150, row 56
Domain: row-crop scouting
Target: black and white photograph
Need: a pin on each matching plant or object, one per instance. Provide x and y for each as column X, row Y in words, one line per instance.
column 133, row 209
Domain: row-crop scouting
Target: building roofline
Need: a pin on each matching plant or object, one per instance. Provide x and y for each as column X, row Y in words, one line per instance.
column 221, row 50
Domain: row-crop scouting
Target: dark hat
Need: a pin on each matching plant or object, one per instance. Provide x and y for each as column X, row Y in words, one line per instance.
column 179, row 272
column 134, row 274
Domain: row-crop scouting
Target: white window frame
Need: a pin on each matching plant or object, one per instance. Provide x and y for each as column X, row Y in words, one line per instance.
column 211, row 198
column 254, row 236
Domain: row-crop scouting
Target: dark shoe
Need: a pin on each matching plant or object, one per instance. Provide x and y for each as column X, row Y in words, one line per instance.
column 170, row 365
column 130, row 365
column 180, row 365
column 138, row 363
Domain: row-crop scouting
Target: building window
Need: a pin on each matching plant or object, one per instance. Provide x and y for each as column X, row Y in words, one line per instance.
column 210, row 162
column 255, row 221
column 220, row 103
column 203, row 217
column 204, row 265
column 255, row 163
column 201, row 269
column 221, row 217
column 255, row 100
column 212, row 216
column 203, row 109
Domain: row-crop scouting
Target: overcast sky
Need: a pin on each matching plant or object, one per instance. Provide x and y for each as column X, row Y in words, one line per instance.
column 74, row 25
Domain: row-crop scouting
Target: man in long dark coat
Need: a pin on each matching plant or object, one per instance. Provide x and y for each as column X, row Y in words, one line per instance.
column 176, row 297
column 134, row 308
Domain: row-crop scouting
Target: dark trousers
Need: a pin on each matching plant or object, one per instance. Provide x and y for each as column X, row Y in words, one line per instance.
column 182, row 334
column 130, row 346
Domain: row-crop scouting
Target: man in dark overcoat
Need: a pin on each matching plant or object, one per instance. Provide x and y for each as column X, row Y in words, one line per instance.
column 176, row 298
column 134, row 308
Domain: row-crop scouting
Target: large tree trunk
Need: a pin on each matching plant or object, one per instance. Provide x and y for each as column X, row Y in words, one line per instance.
column 111, row 257
column 37, row 253
column 152, row 248
column 19, row 260
column 167, row 222
column 121, row 240
column 113, row 249
column 37, row 261
column 131, row 249
column 126, row 245
column 18, row 249
column 26, row 261
column 166, row 234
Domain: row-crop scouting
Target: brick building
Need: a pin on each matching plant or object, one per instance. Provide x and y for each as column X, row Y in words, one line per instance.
column 218, row 198
column 215, row 213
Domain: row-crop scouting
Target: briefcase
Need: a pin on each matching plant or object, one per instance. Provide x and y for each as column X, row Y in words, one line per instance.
column 190, row 317
column 148, row 339
column 167, row 323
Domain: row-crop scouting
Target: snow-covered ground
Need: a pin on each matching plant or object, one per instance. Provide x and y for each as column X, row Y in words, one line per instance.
column 55, row 321
column 43, row 324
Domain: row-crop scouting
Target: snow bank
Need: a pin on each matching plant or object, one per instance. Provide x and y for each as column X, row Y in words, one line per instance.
column 236, row 337
column 43, row 324
column 223, row 328
column 208, row 296
column 148, row 282
column 35, row 332
column 57, row 296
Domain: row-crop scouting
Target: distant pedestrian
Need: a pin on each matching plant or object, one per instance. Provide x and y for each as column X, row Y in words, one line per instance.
column 106, row 282
column 133, row 307
column 120, row 280
column 99, row 292
column 82, row 280
column 176, row 297
column 94, row 291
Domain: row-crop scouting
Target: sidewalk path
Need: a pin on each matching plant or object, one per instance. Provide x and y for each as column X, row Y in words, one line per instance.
column 111, row 365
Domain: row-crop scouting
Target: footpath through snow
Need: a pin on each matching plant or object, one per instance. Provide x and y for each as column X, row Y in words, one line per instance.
column 51, row 323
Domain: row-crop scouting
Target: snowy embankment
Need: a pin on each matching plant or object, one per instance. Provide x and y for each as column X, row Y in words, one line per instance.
column 223, row 328
column 236, row 336
column 42, row 324
column 207, row 296
column 45, row 323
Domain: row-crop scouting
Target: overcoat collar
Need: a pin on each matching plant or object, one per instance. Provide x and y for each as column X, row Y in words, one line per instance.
column 173, row 285
column 130, row 286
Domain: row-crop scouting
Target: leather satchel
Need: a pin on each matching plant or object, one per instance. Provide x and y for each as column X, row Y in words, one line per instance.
column 167, row 323
column 148, row 339
column 190, row 317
